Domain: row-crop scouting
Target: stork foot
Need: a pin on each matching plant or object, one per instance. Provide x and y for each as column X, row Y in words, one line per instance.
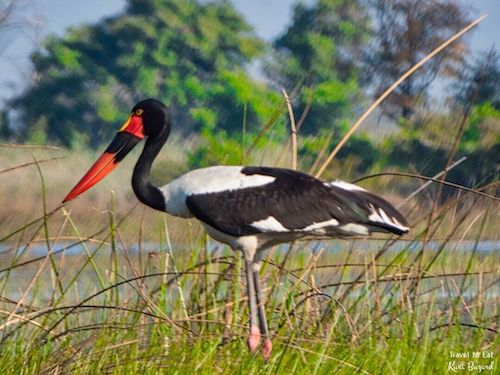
column 267, row 348
column 253, row 338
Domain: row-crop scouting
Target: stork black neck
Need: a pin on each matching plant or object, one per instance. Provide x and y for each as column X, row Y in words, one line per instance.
column 145, row 191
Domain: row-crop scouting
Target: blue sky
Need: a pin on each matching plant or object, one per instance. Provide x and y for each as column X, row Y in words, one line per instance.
column 269, row 17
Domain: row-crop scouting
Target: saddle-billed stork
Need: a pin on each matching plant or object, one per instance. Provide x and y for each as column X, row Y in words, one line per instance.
column 248, row 208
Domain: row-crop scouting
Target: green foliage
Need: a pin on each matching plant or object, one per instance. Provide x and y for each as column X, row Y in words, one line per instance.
column 234, row 89
column 359, row 154
column 221, row 130
column 189, row 54
column 38, row 134
column 479, row 90
column 218, row 148
column 193, row 56
column 138, row 302
column 426, row 140
column 480, row 132
column 362, row 152
column 320, row 50
column 481, row 166
column 410, row 151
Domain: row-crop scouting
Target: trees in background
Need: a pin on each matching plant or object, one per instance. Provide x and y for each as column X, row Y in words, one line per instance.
column 470, row 127
column 194, row 54
column 189, row 54
column 321, row 51
column 404, row 32
column 320, row 55
column 478, row 91
column 465, row 121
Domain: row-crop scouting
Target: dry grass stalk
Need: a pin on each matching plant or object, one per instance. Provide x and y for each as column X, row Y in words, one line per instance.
column 407, row 199
column 30, row 163
column 301, row 121
column 393, row 87
column 44, row 147
column 321, row 153
column 293, row 129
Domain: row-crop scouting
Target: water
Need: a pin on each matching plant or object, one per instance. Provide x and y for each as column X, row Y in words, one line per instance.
column 483, row 247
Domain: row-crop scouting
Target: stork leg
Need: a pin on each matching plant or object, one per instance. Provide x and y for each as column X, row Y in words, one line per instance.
column 254, row 336
column 267, row 346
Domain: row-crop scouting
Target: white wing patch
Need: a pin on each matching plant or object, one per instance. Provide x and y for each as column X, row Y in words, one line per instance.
column 354, row 229
column 319, row 227
column 346, row 185
column 380, row 216
column 269, row 225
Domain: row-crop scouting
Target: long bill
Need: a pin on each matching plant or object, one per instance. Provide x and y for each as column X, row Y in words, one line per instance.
column 125, row 140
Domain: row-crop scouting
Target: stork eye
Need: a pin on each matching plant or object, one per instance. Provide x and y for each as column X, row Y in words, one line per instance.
column 139, row 111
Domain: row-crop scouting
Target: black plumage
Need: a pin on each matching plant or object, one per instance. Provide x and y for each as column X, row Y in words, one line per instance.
column 294, row 199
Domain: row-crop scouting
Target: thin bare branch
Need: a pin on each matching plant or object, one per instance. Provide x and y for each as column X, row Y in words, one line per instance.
column 412, row 175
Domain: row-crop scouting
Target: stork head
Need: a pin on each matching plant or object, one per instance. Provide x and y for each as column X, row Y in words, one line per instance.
column 152, row 115
column 148, row 118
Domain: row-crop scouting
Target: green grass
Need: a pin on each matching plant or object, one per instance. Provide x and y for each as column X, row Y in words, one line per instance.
column 146, row 293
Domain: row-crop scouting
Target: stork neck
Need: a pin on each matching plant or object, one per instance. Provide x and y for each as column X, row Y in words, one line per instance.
column 145, row 191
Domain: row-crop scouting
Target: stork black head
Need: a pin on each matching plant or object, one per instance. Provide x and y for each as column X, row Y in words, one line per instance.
column 154, row 115
column 149, row 118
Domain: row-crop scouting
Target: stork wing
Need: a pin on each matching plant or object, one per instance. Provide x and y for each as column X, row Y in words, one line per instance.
column 295, row 202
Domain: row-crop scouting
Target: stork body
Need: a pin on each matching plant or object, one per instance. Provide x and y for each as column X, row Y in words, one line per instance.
column 248, row 208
